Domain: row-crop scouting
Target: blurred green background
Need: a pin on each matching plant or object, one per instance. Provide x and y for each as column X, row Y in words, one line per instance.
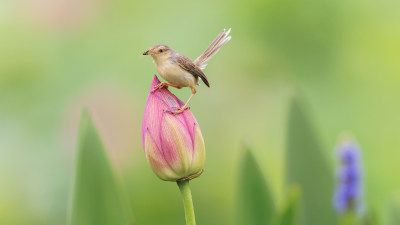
column 56, row 57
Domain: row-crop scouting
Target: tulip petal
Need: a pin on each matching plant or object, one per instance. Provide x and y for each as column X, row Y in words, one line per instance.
column 157, row 103
column 191, row 123
column 157, row 161
column 199, row 151
column 177, row 145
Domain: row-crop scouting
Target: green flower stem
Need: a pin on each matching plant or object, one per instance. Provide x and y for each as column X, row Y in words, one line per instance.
column 187, row 202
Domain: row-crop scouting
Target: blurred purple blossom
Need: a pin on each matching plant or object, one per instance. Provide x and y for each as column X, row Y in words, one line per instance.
column 349, row 188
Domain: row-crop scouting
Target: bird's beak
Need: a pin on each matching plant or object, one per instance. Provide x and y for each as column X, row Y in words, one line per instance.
column 146, row 52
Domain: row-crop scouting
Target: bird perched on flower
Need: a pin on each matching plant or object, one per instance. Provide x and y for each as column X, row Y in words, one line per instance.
column 179, row 71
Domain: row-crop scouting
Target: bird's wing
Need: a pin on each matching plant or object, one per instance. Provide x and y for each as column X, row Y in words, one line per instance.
column 214, row 47
column 187, row 64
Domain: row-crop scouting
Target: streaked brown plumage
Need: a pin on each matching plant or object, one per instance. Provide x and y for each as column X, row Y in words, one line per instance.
column 187, row 64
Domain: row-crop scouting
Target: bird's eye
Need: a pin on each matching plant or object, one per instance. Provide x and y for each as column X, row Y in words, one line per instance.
column 160, row 50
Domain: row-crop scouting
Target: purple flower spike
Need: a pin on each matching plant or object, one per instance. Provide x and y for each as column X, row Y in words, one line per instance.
column 173, row 144
column 349, row 190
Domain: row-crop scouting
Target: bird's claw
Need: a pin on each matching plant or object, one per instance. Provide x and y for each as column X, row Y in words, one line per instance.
column 159, row 86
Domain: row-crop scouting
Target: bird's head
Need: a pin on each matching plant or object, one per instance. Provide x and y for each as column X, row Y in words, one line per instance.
column 159, row 51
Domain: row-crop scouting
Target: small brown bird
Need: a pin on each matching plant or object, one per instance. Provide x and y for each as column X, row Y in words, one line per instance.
column 179, row 71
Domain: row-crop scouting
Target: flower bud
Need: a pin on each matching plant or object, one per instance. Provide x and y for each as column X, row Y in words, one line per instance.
column 173, row 144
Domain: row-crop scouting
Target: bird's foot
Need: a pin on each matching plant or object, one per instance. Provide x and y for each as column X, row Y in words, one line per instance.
column 159, row 86
column 178, row 110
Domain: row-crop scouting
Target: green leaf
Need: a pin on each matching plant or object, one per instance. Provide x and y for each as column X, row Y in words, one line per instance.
column 307, row 167
column 290, row 215
column 255, row 203
column 97, row 199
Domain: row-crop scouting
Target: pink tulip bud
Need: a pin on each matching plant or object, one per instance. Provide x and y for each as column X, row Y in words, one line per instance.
column 173, row 144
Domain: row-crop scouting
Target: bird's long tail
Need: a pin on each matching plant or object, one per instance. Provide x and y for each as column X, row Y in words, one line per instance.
column 214, row 47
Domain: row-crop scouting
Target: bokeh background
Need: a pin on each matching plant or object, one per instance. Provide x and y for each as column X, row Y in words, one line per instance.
column 56, row 57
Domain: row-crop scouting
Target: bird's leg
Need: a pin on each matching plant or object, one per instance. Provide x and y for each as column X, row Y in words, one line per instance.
column 183, row 108
column 162, row 85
